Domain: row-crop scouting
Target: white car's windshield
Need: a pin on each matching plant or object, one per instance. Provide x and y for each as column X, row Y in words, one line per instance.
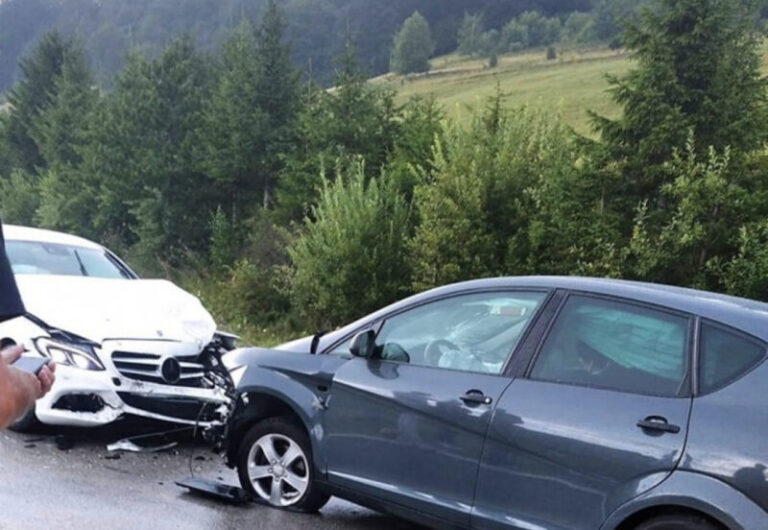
column 34, row 257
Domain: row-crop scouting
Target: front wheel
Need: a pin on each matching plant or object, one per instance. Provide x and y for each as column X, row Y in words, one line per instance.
column 274, row 464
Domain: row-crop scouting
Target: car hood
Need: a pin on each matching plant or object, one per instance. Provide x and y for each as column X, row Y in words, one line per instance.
column 99, row 309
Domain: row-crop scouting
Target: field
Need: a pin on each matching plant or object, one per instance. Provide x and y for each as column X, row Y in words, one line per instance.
column 572, row 83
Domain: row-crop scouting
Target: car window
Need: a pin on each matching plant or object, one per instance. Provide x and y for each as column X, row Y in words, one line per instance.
column 33, row 257
column 343, row 348
column 474, row 332
column 724, row 356
column 616, row 346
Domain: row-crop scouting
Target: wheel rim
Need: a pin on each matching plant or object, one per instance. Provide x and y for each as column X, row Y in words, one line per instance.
column 278, row 470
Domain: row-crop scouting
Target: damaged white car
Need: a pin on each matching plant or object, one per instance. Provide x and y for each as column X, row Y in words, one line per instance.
column 124, row 345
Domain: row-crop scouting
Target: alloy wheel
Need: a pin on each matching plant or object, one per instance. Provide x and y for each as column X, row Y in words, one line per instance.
column 278, row 469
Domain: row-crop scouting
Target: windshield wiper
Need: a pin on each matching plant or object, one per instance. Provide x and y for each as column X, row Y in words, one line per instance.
column 80, row 262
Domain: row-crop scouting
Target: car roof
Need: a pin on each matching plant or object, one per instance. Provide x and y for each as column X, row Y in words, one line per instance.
column 749, row 316
column 24, row 233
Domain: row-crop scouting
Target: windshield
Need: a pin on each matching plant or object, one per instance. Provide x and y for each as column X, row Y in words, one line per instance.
column 33, row 257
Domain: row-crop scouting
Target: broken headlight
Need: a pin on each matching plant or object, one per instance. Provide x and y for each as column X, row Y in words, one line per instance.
column 76, row 355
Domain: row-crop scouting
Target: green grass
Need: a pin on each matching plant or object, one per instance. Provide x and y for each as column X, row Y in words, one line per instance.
column 573, row 83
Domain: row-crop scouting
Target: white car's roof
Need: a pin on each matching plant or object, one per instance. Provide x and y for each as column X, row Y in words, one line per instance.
column 24, row 233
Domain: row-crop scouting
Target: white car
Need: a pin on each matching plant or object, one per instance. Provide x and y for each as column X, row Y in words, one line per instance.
column 123, row 345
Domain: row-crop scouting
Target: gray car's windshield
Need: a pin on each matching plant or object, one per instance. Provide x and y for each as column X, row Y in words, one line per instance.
column 34, row 257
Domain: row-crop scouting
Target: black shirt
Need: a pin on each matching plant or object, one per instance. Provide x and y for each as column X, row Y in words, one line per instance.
column 10, row 301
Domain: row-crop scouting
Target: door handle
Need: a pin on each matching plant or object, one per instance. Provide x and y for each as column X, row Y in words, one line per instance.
column 476, row 398
column 658, row 423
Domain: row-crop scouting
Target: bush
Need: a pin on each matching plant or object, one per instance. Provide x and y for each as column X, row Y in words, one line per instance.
column 350, row 259
column 551, row 53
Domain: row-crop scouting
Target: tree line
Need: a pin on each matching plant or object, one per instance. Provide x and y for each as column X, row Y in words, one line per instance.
column 316, row 28
column 287, row 206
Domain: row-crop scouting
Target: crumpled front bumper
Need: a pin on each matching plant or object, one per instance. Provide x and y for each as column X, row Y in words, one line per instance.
column 108, row 391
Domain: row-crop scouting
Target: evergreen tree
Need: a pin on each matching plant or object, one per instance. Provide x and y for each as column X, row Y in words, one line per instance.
column 235, row 124
column 697, row 70
column 68, row 194
column 354, row 121
column 30, row 97
column 148, row 159
column 277, row 93
column 413, row 46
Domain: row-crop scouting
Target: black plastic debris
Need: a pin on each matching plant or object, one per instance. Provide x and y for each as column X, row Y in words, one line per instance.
column 214, row 490
column 113, row 456
column 64, row 443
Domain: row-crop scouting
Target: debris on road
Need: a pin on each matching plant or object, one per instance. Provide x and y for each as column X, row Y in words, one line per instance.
column 214, row 490
column 150, row 443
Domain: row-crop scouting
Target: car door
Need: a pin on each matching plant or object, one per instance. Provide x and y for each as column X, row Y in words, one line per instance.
column 407, row 426
column 601, row 417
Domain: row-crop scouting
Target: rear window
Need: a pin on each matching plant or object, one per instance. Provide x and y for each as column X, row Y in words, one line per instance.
column 725, row 356
column 615, row 345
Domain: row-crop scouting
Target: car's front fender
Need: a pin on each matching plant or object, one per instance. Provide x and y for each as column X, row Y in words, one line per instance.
column 301, row 382
column 696, row 491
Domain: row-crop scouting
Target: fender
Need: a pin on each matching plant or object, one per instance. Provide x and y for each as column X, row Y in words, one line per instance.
column 698, row 492
column 302, row 382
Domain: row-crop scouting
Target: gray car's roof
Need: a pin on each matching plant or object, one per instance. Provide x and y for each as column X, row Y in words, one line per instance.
column 749, row 316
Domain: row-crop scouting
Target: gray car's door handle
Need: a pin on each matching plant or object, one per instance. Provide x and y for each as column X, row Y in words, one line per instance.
column 658, row 423
column 476, row 398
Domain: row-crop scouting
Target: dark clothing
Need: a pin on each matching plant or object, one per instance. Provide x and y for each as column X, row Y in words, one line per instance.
column 10, row 301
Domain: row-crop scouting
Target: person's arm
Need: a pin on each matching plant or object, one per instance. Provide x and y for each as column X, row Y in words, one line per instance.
column 19, row 390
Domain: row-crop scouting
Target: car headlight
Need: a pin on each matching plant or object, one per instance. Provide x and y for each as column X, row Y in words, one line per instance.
column 75, row 355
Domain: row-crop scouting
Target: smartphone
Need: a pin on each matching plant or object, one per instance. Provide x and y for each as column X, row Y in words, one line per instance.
column 33, row 365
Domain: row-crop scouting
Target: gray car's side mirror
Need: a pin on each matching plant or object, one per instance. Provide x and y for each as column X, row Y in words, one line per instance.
column 363, row 344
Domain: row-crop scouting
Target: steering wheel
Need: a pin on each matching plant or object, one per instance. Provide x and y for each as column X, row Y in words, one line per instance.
column 434, row 350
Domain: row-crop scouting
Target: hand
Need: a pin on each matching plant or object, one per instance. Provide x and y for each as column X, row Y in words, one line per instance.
column 45, row 378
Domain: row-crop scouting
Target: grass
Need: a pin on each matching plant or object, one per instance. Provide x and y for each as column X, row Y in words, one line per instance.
column 573, row 83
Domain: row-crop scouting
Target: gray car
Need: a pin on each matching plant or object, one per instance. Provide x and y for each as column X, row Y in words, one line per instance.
column 530, row 403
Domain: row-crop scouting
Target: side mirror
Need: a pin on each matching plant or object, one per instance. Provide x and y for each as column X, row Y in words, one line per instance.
column 363, row 344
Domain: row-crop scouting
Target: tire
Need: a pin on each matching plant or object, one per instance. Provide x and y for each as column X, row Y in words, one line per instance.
column 28, row 422
column 268, row 477
column 678, row 521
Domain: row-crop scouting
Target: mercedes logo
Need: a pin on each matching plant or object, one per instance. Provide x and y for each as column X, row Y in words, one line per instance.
column 170, row 370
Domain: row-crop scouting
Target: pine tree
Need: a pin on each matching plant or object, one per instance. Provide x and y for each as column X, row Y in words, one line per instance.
column 277, row 92
column 413, row 46
column 698, row 70
column 30, row 97
column 68, row 194
column 235, row 124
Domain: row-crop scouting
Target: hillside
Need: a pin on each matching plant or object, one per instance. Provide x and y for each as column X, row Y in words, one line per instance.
column 574, row 82
column 316, row 28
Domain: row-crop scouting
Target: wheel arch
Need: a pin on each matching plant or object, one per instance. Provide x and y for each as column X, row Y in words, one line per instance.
column 263, row 403
column 694, row 493
column 644, row 514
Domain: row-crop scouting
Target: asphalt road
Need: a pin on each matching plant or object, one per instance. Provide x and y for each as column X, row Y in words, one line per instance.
column 42, row 486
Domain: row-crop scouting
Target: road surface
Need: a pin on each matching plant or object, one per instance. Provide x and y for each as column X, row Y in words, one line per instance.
column 87, row 488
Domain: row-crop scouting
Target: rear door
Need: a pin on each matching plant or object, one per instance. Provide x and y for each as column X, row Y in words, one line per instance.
column 408, row 426
column 601, row 418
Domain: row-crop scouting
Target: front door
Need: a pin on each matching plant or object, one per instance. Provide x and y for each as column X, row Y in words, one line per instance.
column 601, row 418
column 408, row 425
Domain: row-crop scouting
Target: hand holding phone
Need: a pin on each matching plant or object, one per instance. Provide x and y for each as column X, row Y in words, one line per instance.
column 30, row 364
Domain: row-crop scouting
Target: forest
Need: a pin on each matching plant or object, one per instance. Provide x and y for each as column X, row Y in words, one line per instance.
column 316, row 28
column 289, row 207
